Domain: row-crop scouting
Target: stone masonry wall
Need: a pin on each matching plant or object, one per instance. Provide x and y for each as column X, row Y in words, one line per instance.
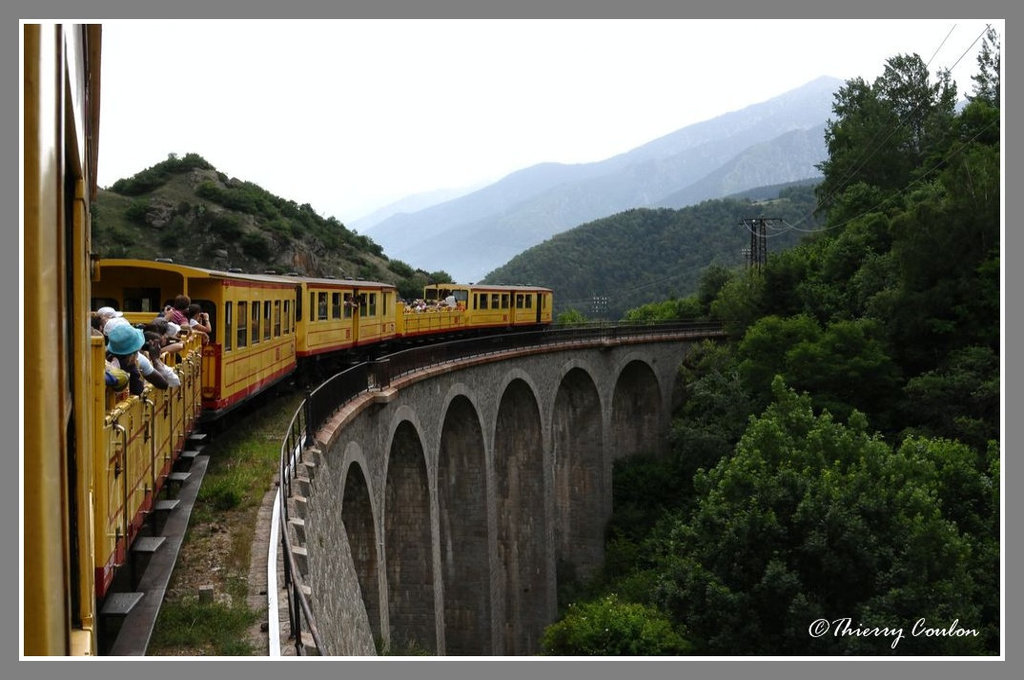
column 456, row 427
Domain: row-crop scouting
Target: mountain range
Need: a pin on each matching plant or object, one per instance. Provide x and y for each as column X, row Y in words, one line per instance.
column 772, row 142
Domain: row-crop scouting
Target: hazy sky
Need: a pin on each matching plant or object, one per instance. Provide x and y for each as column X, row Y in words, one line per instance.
column 350, row 115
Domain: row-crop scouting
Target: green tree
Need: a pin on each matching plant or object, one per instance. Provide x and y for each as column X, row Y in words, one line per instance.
column 401, row 268
column 847, row 367
column 946, row 244
column 571, row 317
column 812, row 519
column 712, row 280
column 739, row 303
column 959, row 400
column 668, row 310
column 611, row 627
column 136, row 211
column 256, row 245
column 844, row 366
column 763, row 351
column 714, row 412
column 883, row 131
column 987, row 80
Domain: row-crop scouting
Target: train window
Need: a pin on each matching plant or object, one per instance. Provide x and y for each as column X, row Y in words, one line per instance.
column 210, row 308
column 362, row 304
column 287, row 317
column 483, row 300
column 243, row 328
column 384, row 303
column 504, row 301
column 373, row 304
column 266, row 320
column 529, row 301
column 495, row 301
column 335, row 305
column 321, row 306
column 141, row 300
column 519, row 300
column 227, row 326
column 255, row 322
column 348, row 305
column 277, row 318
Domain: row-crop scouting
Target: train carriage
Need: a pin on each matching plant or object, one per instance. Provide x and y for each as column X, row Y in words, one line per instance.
column 495, row 306
column 253, row 319
column 343, row 314
column 140, row 439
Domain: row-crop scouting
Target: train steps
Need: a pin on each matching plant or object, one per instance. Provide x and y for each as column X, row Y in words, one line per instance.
column 127, row 616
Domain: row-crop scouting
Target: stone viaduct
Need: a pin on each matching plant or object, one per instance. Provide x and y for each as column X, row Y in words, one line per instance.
column 438, row 514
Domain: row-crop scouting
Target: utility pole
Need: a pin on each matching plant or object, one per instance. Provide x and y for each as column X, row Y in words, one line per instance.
column 757, row 255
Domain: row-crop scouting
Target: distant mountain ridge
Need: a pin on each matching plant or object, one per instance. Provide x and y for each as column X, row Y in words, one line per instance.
column 772, row 142
column 408, row 204
column 786, row 156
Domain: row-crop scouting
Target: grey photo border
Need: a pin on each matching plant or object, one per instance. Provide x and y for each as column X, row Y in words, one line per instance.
column 14, row 11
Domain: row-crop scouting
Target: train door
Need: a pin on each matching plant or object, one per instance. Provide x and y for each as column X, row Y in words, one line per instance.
column 351, row 304
column 368, row 323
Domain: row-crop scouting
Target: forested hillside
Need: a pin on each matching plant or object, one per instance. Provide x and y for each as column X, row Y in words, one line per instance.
column 644, row 254
column 833, row 481
column 185, row 210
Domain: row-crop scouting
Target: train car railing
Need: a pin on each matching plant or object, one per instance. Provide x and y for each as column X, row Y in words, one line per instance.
column 321, row 403
column 141, row 438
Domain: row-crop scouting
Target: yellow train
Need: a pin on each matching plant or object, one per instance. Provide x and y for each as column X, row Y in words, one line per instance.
column 265, row 328
column 93, row 463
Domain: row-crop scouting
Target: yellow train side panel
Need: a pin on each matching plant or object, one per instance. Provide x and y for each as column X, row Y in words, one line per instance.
column 46, row 620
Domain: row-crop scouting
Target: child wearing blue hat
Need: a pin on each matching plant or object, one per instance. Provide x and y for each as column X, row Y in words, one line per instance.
column 123, row 344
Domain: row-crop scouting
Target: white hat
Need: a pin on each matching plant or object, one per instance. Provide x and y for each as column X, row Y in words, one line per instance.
column 114, row 323
column 172, row 329
column 108, row 311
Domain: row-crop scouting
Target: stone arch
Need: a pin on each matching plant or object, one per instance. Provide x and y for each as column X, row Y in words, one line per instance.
column 578, row 459
column 357, row 517
column 636, row 411
column 463, row 535
column 521, row 522
column 408, row 544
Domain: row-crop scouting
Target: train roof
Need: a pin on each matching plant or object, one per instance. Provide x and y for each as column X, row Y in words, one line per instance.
column 191, row 270
column 488, row 287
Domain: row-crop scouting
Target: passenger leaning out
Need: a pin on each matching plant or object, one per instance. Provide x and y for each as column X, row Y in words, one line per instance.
column 96, row 323
column 123, row 344
column 176, row 310
column 199, row 321
column 167, row 332
column 105, row 314
column 155, row 347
